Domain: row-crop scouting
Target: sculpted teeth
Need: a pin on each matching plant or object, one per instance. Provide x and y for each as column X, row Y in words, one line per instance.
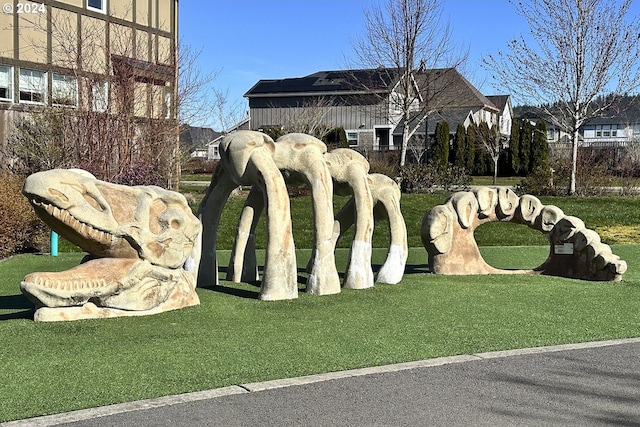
column 70, row 285
column 66, row 218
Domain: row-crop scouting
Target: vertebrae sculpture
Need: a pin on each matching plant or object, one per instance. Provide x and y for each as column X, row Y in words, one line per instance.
column 575, row 251
column 138, row 240
column 301, row 156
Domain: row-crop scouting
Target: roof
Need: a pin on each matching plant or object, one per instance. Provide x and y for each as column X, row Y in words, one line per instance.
column 447, row 88
column 500, row 101
column 625, row 111
column 328, row 82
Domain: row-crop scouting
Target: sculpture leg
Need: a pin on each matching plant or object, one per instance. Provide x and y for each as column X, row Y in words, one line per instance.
column 209, row 212
column 393, row 268
column 359, row 274
column 243, row 266
column 280, row 280
column 323, row 276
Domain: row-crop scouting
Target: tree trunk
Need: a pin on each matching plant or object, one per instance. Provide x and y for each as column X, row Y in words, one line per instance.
column 574, row 162
column 405, row 142
column 495, row 170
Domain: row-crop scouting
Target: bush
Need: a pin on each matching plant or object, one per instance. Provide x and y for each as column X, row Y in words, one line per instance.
column 416, row 178
column 385, row 163
column 540, row 182
column 336, row 138
column 140, row 172
column 593, row 177
column 22, row 230
column 199, row 166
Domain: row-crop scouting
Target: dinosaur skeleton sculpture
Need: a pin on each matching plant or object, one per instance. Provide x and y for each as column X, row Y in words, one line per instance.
column 303, row 157
column 576, row 252
column 246, row 158
column 138, row 240
column 300, row 158
column 386, row 200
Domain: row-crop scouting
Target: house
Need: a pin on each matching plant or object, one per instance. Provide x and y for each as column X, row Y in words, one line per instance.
column 505, row 115
column 213, row 146
column 194, row 140
column 617, row 129
column 81, row 55
column 364, row 103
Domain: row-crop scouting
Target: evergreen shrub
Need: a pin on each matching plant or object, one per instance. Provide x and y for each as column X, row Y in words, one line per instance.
column 415, row 178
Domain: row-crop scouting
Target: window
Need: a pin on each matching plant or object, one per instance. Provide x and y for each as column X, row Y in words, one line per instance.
column 99, row 96
column 167, row 104
column 33, row 86
column 6, row 83
column 64, row 90
column 97, row 5
column 606, row 131
column 551, row 134
column 352, row 138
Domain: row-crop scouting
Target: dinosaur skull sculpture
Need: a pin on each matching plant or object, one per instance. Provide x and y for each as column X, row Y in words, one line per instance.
column 139, row 239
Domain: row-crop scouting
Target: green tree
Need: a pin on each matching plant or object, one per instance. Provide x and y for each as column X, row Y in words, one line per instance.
column 540, row 147
column 526, row 132
column 470, row 146
column 441, row 145
column 514, row 147
column 460, row 147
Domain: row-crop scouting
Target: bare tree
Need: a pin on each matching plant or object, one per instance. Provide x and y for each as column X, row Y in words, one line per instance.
column 579, row 51
column 309, row 118
column 227, row 113
column 494, row 144
column 407, row 38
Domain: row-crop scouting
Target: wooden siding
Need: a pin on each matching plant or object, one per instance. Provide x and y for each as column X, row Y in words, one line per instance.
column 349, row 117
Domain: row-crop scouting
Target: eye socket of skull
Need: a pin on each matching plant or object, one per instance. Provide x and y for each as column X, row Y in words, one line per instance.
column 164, row 216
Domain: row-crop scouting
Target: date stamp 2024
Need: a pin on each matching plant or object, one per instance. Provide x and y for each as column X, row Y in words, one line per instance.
column 24, row 8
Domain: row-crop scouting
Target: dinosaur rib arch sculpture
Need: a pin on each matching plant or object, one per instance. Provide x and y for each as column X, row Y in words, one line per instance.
column 301, row 157
column 575, row 251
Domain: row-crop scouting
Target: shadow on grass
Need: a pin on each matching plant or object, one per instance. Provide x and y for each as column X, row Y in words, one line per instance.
column 242, row 293
column 16, row 302
column 416, row 269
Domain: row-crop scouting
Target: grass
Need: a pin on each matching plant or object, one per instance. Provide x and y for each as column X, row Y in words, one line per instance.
column 233, row 338
column 502, row 180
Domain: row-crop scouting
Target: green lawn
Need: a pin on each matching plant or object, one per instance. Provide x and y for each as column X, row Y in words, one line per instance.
column 233, row 338
column 502, row 180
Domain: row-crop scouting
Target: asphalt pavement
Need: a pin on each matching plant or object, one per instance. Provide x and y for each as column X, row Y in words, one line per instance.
column 587, row 384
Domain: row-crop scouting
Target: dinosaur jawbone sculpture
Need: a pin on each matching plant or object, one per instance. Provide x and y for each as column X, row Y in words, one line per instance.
column 138, row 240
column 575, row 251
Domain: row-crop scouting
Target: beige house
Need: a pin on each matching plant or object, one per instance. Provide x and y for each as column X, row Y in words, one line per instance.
column 77, row 53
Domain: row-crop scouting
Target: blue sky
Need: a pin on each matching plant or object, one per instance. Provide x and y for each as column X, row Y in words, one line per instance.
column 249, row 40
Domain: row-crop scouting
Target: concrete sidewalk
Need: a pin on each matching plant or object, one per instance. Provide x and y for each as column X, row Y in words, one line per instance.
column 595, row 383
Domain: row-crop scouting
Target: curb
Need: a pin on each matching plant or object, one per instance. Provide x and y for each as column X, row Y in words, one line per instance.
column 120, row 408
